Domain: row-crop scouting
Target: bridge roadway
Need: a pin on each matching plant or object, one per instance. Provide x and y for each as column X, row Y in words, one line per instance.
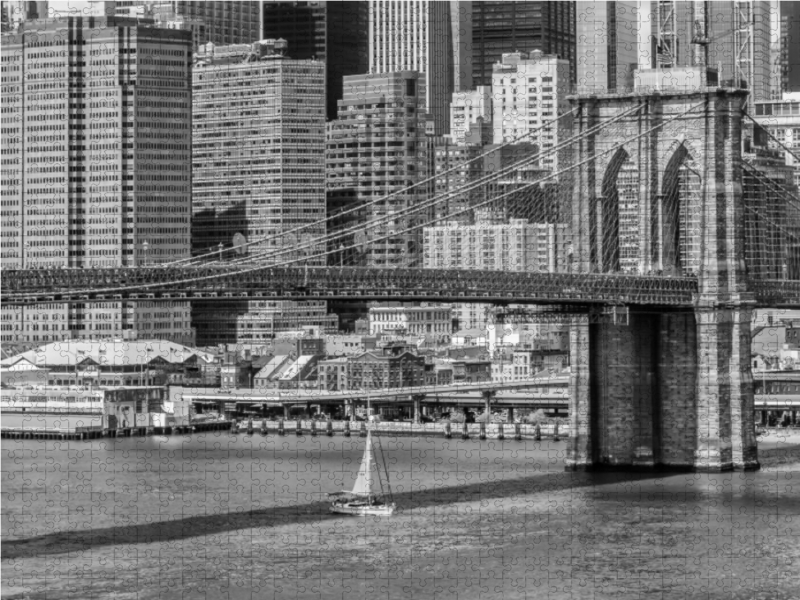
column 220, row 282
column 531, row 397
column 215, row 282
column 549, row 392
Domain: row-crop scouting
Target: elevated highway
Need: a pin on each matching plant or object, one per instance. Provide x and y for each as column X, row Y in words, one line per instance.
column 550, row 392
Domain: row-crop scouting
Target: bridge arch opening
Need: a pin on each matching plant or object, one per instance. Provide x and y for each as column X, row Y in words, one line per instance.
column 617, row 215
column 678, row 227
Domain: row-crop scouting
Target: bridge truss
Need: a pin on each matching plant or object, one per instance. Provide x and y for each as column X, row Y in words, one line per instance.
column 394, row 248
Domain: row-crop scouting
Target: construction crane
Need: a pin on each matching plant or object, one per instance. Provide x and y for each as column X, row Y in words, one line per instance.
column 701, row 41
column 700, row 38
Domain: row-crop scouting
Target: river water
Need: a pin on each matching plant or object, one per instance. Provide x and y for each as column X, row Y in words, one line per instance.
column 217, row 515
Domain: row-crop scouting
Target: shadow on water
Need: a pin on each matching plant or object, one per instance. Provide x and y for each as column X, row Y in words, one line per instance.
column 302, row 514
column 317, row 512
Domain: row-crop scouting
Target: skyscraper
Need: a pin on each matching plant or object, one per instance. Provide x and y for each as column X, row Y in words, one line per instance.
column 607, row 41
column 333, row 32
column 465, row 110
column 259, row 172
column 500, row 27
column 418, row 35
column 781, row 118
column 377, row 147
column 234, row 22
column 14, row 12
column 732, row 39
column 497, row 244
column 98, row 173
column 790, row 46
column 530, row 92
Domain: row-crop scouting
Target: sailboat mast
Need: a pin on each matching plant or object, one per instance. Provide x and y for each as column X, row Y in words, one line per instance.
column 385, row 472
column 368, row 463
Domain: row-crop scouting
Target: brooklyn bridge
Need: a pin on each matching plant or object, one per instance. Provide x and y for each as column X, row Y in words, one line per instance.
column 656, row 208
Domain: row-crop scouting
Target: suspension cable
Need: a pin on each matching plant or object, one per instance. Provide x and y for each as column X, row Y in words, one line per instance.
column 432, row 202
column 780, row 143
column 405, row 190
column 494, row 199
column 259, row 267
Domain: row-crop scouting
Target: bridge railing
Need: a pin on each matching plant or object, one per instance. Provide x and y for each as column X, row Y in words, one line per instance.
column 324, row 282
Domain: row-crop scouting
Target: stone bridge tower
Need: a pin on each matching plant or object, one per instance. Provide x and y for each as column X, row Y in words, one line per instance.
column 671, row 388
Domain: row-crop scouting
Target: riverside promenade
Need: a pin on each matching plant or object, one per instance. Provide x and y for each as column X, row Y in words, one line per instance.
column 519, row 431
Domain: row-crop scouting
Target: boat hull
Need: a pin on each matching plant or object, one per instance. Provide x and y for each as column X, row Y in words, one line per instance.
column 381, row 510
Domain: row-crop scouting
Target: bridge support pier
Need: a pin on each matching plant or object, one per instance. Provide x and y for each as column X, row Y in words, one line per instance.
column 488, row 396
column 286, row 411
column 670, row 390
column 416, row 401
column 580, row 450
column 349, row 412
column 726, row 412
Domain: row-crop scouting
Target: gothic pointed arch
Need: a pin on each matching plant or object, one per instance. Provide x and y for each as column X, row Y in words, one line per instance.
column 678, row 213
column 609, row 213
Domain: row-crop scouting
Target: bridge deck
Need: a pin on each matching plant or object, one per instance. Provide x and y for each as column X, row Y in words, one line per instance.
column 219, row 283
column 213, row 282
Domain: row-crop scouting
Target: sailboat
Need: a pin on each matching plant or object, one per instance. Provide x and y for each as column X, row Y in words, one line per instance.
column 368, row 496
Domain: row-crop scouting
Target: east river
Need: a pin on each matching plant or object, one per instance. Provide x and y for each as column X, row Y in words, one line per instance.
column 218, row 515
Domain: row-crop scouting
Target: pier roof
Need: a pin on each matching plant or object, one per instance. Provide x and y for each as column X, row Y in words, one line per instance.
column 108, row 352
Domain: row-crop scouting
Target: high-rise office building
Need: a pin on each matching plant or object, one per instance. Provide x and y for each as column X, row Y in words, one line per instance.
column 258, row 150
column 730, row 39
column 15, row 12
column 530, row 93
column 424, row 36
column 98, row 173
column 235, row 22
column 461, row 34
column 607, row 42
column 781, row 118
column 378, row 147
column 789, row 46
column 333, row 32
column 465, row 110
column 500, row 27
column 627, row 192
column 459, row 165
column 456, row 165
column 497, row 244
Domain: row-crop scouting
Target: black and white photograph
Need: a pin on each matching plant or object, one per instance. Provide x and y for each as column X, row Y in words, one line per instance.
column 400, row 299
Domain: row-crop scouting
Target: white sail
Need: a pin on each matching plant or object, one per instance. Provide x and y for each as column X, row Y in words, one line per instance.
column 363, row 486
